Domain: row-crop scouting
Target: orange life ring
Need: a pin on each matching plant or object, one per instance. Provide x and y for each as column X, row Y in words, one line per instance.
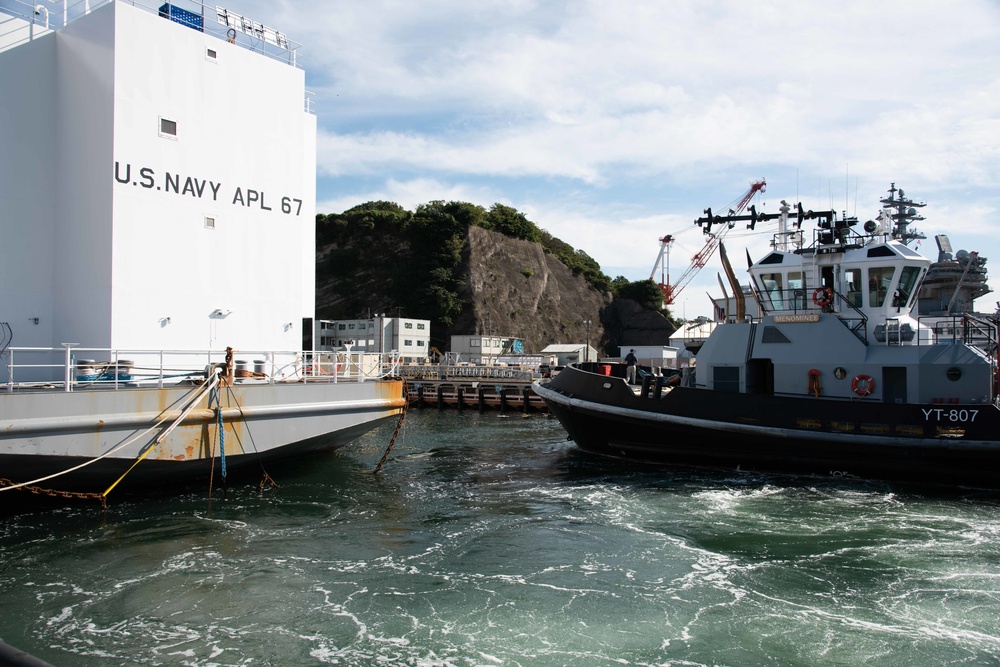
column 822, row 296
column 862, row 385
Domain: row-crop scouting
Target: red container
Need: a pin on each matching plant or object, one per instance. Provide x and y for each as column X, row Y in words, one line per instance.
column 604, row 369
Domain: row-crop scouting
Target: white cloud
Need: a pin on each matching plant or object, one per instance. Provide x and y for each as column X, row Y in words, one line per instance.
column 609, row 124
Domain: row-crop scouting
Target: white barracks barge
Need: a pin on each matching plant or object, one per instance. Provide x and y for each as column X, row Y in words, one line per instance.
column 157, row 264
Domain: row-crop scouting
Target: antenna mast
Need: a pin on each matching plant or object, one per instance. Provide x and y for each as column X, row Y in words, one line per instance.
column 902, row 212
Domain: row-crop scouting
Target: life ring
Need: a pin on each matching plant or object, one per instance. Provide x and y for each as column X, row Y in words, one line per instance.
column 822, row 296
column 862, row 385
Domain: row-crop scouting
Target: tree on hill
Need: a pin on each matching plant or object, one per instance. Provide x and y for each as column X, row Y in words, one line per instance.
column 645, row 292
column 383, row 257
column 511, row 222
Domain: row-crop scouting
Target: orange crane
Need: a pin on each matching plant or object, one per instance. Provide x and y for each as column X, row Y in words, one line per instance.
column 670, row 291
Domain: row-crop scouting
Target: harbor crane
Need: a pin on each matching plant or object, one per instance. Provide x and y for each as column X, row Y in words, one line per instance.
column 670, row 291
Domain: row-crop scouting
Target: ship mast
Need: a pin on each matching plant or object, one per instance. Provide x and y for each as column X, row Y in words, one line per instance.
column 902, row 212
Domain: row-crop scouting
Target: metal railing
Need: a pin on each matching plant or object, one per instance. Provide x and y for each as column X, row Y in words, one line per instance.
column 467, row 372
column 970, row 328
column 74, row 368
column 42, row 17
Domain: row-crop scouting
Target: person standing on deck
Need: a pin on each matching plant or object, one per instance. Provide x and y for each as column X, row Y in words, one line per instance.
column 631, row 365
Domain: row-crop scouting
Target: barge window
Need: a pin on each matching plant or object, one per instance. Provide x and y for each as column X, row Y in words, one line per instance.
column 879, row 280
column 168, row 128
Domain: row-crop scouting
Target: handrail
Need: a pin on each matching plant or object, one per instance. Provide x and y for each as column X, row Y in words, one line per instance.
column 75, row 368
column 252, row 36
column 970, row 328
column 210, row 382
column 467, row 372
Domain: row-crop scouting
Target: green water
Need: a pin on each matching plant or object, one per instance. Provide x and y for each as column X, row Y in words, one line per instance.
column 490, row 540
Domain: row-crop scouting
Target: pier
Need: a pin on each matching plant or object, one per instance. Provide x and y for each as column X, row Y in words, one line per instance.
column 484, row 395
column 472, row 387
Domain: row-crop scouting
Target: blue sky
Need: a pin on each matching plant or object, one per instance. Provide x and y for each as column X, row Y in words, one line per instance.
column 611, row 124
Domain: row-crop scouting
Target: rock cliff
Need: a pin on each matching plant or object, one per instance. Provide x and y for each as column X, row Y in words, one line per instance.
column 517, row 289
column 508, row 287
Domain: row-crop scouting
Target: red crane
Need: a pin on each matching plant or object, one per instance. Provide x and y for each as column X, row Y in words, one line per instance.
column 670, row 291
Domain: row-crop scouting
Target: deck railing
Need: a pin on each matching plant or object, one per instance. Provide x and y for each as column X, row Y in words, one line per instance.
column 35, row 19
column 74, row 368
column 467, row 372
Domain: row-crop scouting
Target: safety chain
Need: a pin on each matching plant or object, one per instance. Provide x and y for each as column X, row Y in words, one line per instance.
column 54, row 493
column 266, row 479
column 399, row 425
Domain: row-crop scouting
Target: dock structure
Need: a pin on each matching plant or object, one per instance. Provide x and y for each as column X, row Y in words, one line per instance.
column 485, row 395
column 465, row 386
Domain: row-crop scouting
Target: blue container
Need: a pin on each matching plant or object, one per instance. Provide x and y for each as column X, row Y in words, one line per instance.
column 182, row 16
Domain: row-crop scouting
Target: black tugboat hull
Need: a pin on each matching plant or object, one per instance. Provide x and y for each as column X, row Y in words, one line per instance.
column 936, row 444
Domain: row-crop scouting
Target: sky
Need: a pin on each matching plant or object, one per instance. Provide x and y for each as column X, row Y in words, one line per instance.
column 613, row 124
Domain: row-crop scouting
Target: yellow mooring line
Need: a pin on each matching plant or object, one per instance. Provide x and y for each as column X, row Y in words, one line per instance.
column 208, row 386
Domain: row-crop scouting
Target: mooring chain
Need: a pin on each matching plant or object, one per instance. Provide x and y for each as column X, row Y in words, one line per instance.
column 55, row 493
column 399, row 425
column 266, row 479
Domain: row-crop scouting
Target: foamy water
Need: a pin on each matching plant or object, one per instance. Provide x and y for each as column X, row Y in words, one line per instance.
column 490, row 540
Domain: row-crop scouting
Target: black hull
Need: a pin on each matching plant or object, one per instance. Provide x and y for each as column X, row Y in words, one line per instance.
column 955, row 445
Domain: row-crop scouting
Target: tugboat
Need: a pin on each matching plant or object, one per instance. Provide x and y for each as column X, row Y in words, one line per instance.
column 839, row 375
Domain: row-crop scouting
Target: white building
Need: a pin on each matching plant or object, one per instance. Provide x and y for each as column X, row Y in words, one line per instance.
column 131, row 216
column 484, row 350
column 409, row 338
column 571, row 353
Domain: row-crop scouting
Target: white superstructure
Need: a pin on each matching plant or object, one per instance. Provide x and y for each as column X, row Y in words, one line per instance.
column 158, row 187
column 157, row 252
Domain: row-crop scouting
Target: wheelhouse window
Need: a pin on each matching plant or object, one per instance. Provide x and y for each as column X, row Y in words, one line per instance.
column 908, row 280
column 852, row 286
column 797, row 290
column 772, row 284
column 879, row 280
